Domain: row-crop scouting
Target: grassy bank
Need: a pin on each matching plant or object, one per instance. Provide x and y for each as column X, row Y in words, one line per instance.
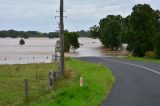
column 97, row 84
column 143, row 59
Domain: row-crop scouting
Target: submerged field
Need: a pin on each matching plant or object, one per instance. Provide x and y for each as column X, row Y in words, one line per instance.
column 98, row 82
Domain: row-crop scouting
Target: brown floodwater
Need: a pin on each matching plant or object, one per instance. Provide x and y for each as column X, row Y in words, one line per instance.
column 37, row 50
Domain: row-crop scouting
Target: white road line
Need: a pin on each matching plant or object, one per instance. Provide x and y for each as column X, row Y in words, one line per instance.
column 146, row 68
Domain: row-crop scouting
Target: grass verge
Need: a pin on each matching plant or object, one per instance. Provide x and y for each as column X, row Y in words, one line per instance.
column 143, row 59
column 98, row 82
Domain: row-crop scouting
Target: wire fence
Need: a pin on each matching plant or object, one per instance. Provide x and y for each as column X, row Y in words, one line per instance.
column 28, row 59
column 21, row 84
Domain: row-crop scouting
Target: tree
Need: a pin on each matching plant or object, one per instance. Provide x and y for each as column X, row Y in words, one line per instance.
column 66, row 42
column 74, row 40
column 157, row 37
column 53, row 34
column 110, row 31
column 157, row 45
column 83, row 33
column 13, row 33
column 3, row 34
column 22, row 42
column 143, row 24
column 94, row 32
column 71, row 40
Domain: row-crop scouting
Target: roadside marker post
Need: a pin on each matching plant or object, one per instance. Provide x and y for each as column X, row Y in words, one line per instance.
column 99, row 64
column 52, row 58
column 81, row 82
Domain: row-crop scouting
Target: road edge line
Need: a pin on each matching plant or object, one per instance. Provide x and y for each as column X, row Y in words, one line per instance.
column 146, row 68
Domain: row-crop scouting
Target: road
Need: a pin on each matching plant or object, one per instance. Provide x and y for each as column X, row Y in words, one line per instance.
column 137, row 83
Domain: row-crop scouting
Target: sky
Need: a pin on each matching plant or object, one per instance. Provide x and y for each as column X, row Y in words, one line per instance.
column 39, row 15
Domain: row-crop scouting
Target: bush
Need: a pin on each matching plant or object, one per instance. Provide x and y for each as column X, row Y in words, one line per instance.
column 150, row 54
column 71, row 40
column 21, row 42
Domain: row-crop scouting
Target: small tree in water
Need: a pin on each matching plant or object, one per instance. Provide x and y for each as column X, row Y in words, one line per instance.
column 22, row 42
column 71, row 41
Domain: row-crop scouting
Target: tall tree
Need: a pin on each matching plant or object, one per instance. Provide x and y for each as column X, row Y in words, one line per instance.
column 66, row 41
column 71, row 40
column 156, row 41
column 94, row 32
column 110, row 31
column 143, row 23
column 74, row 40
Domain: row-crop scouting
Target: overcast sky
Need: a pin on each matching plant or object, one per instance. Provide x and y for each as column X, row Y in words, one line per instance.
column 40, row 15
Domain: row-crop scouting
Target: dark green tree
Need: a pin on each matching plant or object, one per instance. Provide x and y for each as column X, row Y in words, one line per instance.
column 74, row 43
column 157, row 45
column 143, row 29
column 13, row 33
column 3, row 34
column 94, row 32
column 71, row 40
column 156, row 41
column 83, row 33
column 22, row 42
column 66, row 42
column 110, row 31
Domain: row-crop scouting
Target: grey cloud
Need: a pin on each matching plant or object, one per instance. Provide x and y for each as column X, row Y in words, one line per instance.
column 39, row 14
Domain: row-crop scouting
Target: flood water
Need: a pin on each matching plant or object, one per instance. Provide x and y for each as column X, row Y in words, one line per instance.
column 37, row 50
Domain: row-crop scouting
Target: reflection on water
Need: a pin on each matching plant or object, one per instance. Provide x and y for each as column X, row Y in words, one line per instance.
column 41, row 50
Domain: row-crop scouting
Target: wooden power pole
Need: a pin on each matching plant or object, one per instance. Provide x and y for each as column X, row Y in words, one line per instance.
column 61, row 38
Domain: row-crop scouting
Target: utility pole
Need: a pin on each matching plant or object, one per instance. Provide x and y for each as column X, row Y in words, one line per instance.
column 61, row 38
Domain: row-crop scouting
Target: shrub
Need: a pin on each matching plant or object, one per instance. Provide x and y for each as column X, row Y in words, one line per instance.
column 21, row 42
column 150, row 54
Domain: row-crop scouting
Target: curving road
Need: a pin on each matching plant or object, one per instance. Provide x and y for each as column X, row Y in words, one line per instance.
column 137, row 83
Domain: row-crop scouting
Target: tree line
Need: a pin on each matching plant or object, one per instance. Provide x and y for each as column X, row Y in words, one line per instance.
column 28, row 34
column 14, row 34
column 70, row 38
column 140, row 30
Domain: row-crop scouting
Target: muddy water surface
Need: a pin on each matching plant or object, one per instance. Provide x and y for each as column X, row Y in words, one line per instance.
column 41, row 50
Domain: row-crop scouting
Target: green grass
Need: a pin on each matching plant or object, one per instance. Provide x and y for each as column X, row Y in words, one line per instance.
column 98, row 82
column 12, row 82
column 143, row 59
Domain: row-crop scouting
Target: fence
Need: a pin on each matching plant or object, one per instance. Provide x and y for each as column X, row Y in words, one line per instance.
column 28, row 59
column 21, row 84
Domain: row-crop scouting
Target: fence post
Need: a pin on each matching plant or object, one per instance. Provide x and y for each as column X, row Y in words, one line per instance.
column 26, row 90
column 51, row 79
column 55, row 56
column 52, row 58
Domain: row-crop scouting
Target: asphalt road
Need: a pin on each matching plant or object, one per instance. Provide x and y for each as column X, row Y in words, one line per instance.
column 137, row 83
